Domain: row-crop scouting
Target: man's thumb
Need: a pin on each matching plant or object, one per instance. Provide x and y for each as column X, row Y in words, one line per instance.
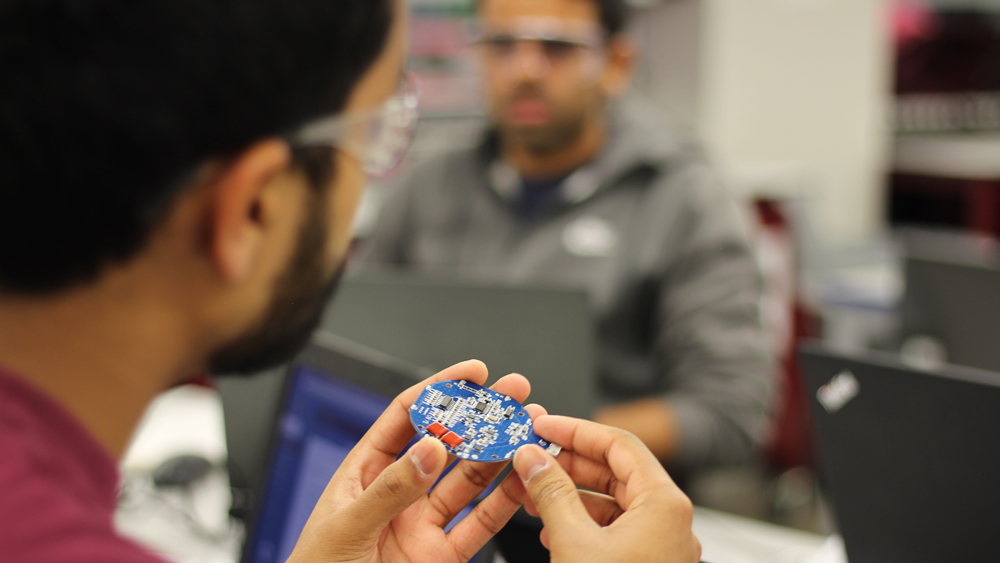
column 552, row 490
column 397, row 487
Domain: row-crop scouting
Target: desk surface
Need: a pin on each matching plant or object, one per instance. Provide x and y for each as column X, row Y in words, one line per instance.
column 726, row 538
column 189, row 420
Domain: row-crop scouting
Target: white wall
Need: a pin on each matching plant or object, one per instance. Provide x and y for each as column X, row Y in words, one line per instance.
column 786, row 94
column 669, row 66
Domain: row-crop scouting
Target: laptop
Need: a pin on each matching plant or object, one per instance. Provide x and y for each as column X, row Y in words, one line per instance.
column 958, row 304
column 331, row 394
column 911, row 458
column 545, row 333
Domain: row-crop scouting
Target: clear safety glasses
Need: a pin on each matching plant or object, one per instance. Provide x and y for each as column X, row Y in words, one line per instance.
column 378, row 138
column 536, row 48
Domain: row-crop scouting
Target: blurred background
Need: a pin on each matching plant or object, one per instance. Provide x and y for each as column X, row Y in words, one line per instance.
column 842, row 127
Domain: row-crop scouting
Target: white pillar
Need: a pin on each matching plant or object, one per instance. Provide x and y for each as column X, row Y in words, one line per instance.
column 789, row 96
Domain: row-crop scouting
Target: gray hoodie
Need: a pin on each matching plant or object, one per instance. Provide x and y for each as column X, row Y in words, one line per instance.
column 648, row 230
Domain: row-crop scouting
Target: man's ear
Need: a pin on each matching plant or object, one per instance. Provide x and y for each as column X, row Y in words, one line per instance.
column 239, row 214
column 622, row 54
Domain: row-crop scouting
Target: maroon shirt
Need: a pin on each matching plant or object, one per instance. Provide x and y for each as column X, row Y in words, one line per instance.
column 58, row 487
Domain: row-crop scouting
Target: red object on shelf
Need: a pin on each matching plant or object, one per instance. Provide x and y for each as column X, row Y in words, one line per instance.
column 790, row 440
column 981, row 208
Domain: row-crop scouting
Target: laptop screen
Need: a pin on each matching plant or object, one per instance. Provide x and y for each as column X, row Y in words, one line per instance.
column 321, row 419
column 908, row 456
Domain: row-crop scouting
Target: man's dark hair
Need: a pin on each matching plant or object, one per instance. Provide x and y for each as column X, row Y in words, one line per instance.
column 613, row 13
column 108, row 106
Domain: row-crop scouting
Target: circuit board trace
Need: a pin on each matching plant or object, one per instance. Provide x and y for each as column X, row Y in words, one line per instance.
column 474, row 422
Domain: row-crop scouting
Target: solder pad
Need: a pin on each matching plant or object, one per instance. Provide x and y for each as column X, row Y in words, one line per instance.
column 474, row 422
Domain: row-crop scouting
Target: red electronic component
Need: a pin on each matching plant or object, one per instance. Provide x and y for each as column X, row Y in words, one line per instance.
column 437, row 429
column 452, row 439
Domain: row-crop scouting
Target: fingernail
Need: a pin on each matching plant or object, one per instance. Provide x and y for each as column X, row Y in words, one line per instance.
column 535, row 460
column 422, row 455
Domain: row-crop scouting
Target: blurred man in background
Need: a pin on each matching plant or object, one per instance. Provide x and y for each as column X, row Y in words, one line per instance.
column 570, row 186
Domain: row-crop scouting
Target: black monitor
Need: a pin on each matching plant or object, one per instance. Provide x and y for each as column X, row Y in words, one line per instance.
column 910, row 457
column 957, row 303
column 544, row 332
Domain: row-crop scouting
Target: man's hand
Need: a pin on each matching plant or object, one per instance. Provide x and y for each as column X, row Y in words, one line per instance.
column 378, row 509
column 633, row 511
column 651, row 420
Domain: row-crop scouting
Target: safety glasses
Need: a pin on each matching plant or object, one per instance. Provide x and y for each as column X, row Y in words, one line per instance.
column 540, row 46
column 378, row 138
column 504, row 44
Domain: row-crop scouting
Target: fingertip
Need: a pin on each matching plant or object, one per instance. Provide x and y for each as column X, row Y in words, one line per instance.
column 555, row 494
column 469, row 370
column 513, row 385
column 548, row 422
column 519, row 378
column 429, row 457
column 535, row 411
column 475, row 371
column 475, row 364
column 530, row 460
column 544, row 538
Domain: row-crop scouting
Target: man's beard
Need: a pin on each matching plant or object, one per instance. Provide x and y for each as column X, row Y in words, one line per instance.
column 294, row 314
column 562, row 131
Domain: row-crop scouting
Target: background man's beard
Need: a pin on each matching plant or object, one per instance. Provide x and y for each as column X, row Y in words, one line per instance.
column 294, row 314
column 547, row 139
column 539, row 140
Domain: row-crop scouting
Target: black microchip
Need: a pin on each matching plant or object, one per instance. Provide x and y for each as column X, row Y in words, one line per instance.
column 481, row 406
column 445, row 402
column 509, row 413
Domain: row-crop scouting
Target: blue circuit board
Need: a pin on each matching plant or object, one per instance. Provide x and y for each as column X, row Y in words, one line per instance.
column 474, row 422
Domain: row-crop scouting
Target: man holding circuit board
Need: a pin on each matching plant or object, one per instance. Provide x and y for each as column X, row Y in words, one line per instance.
column 180, row 178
